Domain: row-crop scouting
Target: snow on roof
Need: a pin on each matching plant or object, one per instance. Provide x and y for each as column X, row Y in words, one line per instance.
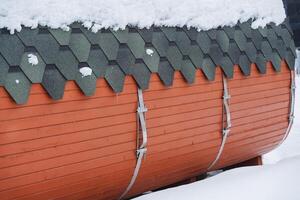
column 97, row 14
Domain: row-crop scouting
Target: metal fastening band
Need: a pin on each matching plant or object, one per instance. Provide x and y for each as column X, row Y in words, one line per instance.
column 225, row 129
column 292, row 107
column 142, row 148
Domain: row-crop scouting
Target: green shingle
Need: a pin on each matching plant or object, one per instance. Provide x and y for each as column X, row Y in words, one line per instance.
column 80, row 46
column 166, row 72
column 137, row 52
column 54, row 82
column 188, row 71
column 33, row 72
column 87, row 84
column 151, row 59
column 115, row 78
column 11, row 49
column 62, row 37
column 17, row 85
column 209, row 68
column 3, row 70
column 98, row 62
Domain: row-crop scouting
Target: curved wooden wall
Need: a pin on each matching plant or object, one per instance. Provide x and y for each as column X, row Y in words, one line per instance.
column 84, row 147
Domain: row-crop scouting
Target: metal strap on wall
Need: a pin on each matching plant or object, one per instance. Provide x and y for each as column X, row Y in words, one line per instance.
column 292, row 106
column 225, row 125
column 142, row 148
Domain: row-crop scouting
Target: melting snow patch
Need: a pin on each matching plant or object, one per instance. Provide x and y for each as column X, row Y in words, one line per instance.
column 149, row 52
column 33, row 59
column 85, row 71
column 117, row 14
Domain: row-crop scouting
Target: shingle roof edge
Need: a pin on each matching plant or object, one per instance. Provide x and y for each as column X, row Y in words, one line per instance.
column 138, row 52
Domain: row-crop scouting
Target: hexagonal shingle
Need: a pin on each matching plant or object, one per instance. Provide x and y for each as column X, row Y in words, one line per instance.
column 290, row 59
column 67, row 64
column 240, row 39
column 251, row 51
column 246, row 28
column 17, row 85
column 80, row 46
column 227, row 66
column 125, row 59
column 166, row 73
column 87, row 83
column 121, row 35
column 212, row 33
column 61, row 36
column 196, row 56
column 234, row 52
column 170, row 33
column 53, row 82
column 191, row 32
column 98, row 62
column 209, row 68
column 146, row 34
column 183, row 42
column 28, row 36
column 204, row 41
column 161, row 43
column 188, row 71
column 261, row 63
column 266, row 50
column 141, row 75
column 257, row 38
column 33, row 71
column 276, row 61
column 136, row 44
column 11, row 48
column 175, row 57
column 151, row 59
column 47, row 47
column 109, row 45
column 244, row 64
column 223, row 40
column 115, row 78
column 216, row 53
column 3, row 70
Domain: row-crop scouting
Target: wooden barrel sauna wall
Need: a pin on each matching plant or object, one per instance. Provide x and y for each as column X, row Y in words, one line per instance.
column 83, row 146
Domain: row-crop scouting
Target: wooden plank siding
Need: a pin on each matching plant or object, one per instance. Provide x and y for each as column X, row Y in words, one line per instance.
column 84, row 147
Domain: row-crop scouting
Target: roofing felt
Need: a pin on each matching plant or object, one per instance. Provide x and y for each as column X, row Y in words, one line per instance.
column 137, row 52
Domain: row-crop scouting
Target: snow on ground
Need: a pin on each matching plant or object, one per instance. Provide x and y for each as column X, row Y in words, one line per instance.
column 278, row 179
column 95, row 14
column 266, row 182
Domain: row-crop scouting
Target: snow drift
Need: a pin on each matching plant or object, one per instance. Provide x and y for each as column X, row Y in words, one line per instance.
column 268, row 182
column 97, row 14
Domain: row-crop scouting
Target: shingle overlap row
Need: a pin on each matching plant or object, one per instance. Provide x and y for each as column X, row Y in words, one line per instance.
column 137, row 52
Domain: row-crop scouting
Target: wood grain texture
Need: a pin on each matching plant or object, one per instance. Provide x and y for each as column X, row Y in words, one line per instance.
column 84, row 147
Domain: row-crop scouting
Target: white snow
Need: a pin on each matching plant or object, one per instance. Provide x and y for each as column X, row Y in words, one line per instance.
column 97, row 14
column 85, row 71
column 267, row 182
column 149, row 52
column 33, row 59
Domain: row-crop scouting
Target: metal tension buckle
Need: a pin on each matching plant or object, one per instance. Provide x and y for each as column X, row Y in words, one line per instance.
column 226, row 131
column 141, row 151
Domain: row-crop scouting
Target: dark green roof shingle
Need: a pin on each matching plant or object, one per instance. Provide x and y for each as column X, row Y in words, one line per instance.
column 114, row 54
